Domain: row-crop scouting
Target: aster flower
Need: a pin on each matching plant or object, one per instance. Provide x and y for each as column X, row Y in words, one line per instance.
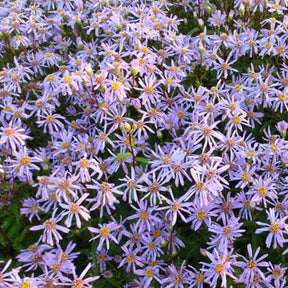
column 131, row 259
column 277, row 229
column 251, row 266
column 5, row 276
column 75, row 210
column 51, row 229
column 200, row 214
column 30, row 208
column 80, row 281
column 220, row 266
column 226, row 234
column 175, row 207
column 104, row 233
column 14, row 134
column 177, row 276
column 148, row 274
column 24, row 163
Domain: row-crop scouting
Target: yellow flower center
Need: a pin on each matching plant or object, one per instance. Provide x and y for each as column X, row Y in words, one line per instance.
column 74, row 208
column 50, row 119
column 219, row 268
column 274, row 228
column 130, row 258
column 84, row 163
column 25, row 161
column 104, row 232
column 25, row 284
column 251, row 264
column 78, row 283
column 200, row 278
column 262, row 191
column 149, row 273
column 201, row 215
column 115, row 86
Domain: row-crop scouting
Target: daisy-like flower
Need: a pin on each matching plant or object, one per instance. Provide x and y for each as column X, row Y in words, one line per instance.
column 208, row 133
column 65, row 187
column 79, row 281
column 82, row 168
column 132, row 186
column 51, row 122
column 220, row 266
column 175, row 207
column 262, row 190
column 5, row 279
column 251, row 266
column 177, row 276
column 223, row 66
column 104, row 233
column 148, row 274
column 131, row 259
column 277, row 275
column 30, row 208
column 13, row 134
column 276, row 227
column 51, row 229
column 200, row 214
column 23, row 164
column 105, row 196
column 226, row 233
column 77, row 210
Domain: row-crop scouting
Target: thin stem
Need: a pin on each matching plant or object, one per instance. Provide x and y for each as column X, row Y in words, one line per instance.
column 132, row 150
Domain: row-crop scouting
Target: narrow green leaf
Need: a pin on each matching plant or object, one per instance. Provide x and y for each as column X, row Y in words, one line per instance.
column 142, row 160
column 122, row 156
column 194, row 30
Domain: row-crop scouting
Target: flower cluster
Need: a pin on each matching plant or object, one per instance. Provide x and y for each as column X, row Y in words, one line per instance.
column 144, row 148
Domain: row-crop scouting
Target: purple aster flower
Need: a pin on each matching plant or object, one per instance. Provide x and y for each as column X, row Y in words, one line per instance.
column 220, row 266
column 104, row 233
column 251, row 266
column 51, row 229
column 277, row 228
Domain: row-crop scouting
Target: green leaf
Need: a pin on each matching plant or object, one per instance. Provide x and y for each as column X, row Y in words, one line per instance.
column 122, row 156
column 142, row 160
column 194, row 30
column 206, row 4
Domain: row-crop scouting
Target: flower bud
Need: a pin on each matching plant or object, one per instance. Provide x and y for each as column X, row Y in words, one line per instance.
column 163, row 243
column 119, row 26
column 201, row 22
column 242, row 9
column 126, row 126
column 134, row 71
column 285, row 20
column 174, row 253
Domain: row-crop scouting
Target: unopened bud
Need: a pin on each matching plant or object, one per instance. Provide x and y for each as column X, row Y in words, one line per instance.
column 231, row 15
column 159, row 134
column 134, row 71
column 117, row 71
column 201, row 49
column 242, row 9
column 119, row 27
column 163, row 243
column 285, row 20
column 126, row 126
column 201, row 22
column 174, row 253
column 195, row 16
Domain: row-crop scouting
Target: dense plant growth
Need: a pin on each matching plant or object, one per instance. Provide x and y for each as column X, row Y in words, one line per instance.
column 143, row 143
